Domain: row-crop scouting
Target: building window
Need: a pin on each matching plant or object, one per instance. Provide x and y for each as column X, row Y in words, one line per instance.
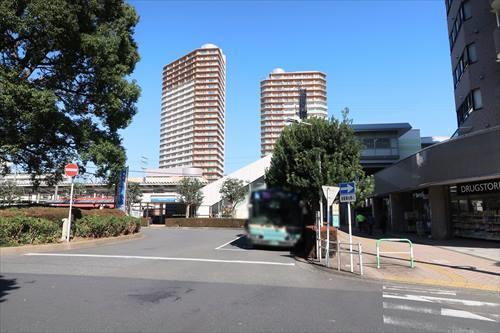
column 464, row 13
column 448, row 5
column 472, row 102
column 468, row 57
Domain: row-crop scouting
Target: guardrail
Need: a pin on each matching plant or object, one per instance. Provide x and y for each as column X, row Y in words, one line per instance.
column 338, row 250
column 412, row 264
column 359, row 251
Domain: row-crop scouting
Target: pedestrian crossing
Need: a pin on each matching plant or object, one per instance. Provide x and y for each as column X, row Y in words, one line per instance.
column 411, row 308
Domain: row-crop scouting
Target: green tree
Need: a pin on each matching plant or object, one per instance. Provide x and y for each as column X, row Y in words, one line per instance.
column 233, row 191
column 64, row 86
column 9, row 192
column 190, row 191
column 300, row 150
column 134, row 195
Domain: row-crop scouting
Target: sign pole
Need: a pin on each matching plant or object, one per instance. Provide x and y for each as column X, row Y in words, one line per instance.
column 328, row 229
column 350, row 233
column 69, row 214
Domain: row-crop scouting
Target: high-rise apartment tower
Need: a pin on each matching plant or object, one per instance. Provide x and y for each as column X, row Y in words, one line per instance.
column 474, row 35
column 280, row 97
column 193, row 112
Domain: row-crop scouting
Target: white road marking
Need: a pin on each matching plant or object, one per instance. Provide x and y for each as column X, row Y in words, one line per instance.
column 463, row 314
column 440, row 300
column 408, row 323
column 418, row 290
column 160, row 258
column 404, row 307
column 220, row 247
column 442, row 312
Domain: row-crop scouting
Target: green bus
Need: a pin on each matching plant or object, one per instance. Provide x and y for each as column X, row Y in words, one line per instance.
column 275, row 218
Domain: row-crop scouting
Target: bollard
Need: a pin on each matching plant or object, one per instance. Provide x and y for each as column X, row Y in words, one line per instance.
column 379, row 241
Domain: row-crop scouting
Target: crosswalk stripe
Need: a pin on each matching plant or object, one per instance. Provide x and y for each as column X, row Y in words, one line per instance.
column 421, row 326
column 408, row 323
column 418, row 290
column 440, row 300
column 463, row 314
column 442, row 312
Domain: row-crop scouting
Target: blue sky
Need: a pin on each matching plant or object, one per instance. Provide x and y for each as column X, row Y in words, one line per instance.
column 388, row 61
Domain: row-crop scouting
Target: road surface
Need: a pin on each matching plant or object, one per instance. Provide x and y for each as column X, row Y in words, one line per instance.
column 205, row 280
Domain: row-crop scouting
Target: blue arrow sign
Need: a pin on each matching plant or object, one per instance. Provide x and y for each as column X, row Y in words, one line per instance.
column 347, row 188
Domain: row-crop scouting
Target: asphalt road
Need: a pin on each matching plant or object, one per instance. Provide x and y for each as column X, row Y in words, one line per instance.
column 197, row 280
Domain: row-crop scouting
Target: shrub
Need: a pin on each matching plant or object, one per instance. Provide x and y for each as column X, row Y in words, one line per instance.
column 21, row 230
column 49, row 213
column 96, row 226
column 102, row 212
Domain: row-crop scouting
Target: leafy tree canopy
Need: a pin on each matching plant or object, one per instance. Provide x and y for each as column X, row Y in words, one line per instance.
column 64, row 92
column 134, row 195
column 301, row 148
column 233, row 191
column 190, row 191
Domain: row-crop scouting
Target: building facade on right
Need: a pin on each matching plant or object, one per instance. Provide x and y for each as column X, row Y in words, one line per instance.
column 452, row 188
column 473, row 27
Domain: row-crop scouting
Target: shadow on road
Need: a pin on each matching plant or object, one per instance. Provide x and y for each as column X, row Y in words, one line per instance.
column 5, row 286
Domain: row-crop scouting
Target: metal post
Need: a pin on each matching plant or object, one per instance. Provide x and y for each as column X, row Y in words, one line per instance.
column 318, row 238
column 320, row 253
column 327, row 231
column 378, row 253
column 350, row 234
column 69, row 214
column 412, row 265
column 55, row 192
column 338, row 254
column 360, row 251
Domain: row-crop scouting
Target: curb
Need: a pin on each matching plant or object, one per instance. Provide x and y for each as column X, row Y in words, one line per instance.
column 427, row 282
column 80, row 244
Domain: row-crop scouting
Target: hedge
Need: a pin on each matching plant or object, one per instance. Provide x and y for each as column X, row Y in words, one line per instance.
column 205, row 222
column 39, row 225
column 21, row 230
column 96, row 226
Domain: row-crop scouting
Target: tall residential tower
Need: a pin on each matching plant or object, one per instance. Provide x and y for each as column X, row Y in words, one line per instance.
column 193, row 112
column 282, row 96
column 474, row 35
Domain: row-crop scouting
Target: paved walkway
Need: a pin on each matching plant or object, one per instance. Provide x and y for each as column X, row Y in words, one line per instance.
column 451, row 266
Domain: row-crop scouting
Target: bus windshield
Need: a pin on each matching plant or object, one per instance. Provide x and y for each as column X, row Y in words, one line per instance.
column 275, row 207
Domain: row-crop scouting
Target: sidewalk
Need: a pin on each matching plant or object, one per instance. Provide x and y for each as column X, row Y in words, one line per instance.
column 449, row 266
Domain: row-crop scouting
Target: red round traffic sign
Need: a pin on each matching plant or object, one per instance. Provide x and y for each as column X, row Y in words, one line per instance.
column 71, row 169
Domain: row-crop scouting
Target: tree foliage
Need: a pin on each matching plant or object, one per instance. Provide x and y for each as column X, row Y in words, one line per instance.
column 233, row 191
column 9, row 192
column 190, row 191
column 64, row 92
column 134, row 195
column 300, row 150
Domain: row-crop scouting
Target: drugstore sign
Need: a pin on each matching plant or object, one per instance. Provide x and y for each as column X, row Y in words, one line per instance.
column 486, row 186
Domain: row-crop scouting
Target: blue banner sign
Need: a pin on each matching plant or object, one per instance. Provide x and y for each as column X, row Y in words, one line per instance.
column 121, row 190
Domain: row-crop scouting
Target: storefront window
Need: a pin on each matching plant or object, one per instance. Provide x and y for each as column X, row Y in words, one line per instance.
column 475, row 215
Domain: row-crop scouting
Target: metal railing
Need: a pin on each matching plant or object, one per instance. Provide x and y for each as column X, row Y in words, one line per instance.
column 412, row 264
column 338, row 250
column 359, row 252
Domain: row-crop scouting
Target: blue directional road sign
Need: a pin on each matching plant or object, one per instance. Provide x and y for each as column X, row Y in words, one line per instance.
column 347, row 192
